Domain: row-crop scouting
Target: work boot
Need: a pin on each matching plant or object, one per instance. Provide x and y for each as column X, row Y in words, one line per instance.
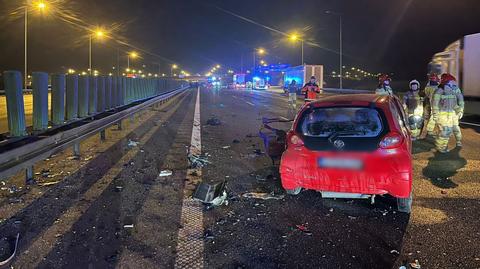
column 444, row 150
column 459, row 144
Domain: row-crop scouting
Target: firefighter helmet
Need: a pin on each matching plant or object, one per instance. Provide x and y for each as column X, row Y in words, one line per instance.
column 445, row 78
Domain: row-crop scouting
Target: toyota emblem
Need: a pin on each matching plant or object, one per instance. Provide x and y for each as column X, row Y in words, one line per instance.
column 339, row 144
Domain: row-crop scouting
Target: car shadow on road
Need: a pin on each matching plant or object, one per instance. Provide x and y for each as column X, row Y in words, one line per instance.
column 442, row 166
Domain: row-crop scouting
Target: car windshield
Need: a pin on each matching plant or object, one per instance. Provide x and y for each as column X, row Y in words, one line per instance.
column 341, row 121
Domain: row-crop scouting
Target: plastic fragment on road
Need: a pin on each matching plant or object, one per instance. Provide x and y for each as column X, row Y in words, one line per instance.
column 132, row 143
column 44, row 184
column 165, row 173
column 394, row 251
column 197, row 161
column 303, row 229
column 213, row 121
column 415, row 265
column 225, row 147
column 10, row 258
column 263, row 196
column 210, row 193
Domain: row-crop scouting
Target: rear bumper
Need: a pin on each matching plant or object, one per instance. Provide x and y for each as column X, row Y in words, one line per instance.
column 383, row 175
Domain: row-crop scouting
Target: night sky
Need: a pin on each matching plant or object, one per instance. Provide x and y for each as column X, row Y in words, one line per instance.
column 398, row 36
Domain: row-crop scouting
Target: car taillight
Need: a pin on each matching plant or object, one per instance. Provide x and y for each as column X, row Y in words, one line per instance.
column 391, row 140
column 296, row 140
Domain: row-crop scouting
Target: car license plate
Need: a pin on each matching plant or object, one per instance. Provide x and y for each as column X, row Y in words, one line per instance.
column 341, row 163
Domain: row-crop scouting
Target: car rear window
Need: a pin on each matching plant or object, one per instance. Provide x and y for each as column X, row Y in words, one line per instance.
column 343, row 121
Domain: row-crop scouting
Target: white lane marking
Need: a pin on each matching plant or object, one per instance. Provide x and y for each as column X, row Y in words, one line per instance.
column 469, row 123
column 190, row 246
column 252, row 104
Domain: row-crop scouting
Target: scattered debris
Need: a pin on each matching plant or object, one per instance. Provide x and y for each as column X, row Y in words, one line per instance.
column 132, row 143
column 304, row 229
column 208, row 235
column 235, row 141
column 415, row 265
column 263, row 196
column 43, row 184
column 212, row 195
column 213, row 121
column 88, row 158
column 197, row 161
column 394, row 251
column 165, row 173
column 76, row 157
column 352, row 217
column 45, row 172
column 118, row 188
column 258, row 152
column 10, row 258
column 225, row 147
column 444, row 192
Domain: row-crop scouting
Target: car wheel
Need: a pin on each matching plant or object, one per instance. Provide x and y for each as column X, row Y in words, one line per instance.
column 294, row 191
column 405, row 204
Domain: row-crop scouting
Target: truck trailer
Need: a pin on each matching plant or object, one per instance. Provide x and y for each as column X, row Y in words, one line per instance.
column 302, row 73
column 462, row 60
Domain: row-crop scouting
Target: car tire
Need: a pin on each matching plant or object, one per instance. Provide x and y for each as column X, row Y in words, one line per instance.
column 405, row 204
column 295, row 191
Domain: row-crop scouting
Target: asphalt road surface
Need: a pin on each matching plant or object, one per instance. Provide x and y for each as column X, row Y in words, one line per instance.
column 111, row 208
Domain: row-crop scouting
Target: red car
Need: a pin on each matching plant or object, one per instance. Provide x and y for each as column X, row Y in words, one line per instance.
column 350, row 146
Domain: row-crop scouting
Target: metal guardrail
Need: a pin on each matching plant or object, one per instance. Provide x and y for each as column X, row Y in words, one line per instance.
column 76, row 115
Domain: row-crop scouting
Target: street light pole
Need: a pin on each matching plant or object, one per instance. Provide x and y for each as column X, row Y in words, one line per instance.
column 90, row 54
column 341, row 54
column 26, row 42
column 341, row 44
column 303, row 62
column 128, row 61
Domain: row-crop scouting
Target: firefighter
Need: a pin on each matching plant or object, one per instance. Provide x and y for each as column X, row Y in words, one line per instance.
column 413, row 105
column 311, row 89
column 430, row 89
column 447, row 107
column 459, row 111
column 384, row 85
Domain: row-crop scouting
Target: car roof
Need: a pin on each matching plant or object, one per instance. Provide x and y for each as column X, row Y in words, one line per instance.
column 364, row 99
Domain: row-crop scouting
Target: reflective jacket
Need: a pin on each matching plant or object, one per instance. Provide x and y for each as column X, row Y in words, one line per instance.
column 413, row 103
column 461, row 103
column 447, row 99
column 385, row 90
column 429, row 91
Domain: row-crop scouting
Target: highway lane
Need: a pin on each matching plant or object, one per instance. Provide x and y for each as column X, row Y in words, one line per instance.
column 80, row 222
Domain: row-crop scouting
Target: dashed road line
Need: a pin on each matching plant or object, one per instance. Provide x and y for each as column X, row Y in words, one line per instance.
column 190, row 246
column 252, row 104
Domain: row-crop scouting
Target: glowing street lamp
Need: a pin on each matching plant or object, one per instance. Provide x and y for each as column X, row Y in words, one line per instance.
column 174, row 66
column 217, row 66
column 294, row 38
column 132, row 55
column 42, row 7
column 99, row 34
column 260, row 51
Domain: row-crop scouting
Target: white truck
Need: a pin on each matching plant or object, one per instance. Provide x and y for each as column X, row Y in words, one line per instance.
column 301, row 74
column 462, row 60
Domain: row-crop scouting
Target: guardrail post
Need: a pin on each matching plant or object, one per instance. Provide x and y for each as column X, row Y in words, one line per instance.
column 71, row 97
column 29, row 175
column 12, row 81
column 92, row 95
column 40, row 100
column 119, row 125
column 83, row 93
column 102, row 135
column 76, row 149
column 101, row 94
column 58, row 99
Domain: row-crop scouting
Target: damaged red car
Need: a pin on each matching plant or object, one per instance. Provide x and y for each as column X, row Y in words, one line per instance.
column 350, row 146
